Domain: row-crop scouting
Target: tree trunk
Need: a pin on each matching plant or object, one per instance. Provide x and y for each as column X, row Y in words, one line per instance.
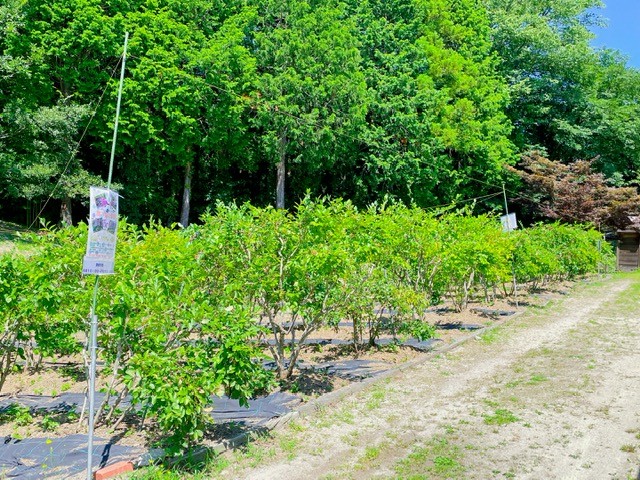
column 65, row 212
column 186, row 196
column 282, row 148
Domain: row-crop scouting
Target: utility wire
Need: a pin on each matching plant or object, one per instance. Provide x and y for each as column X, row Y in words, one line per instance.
column 517, row 194
column 467, row 200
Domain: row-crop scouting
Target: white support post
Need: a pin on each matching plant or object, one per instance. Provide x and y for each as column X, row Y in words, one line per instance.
column 93, row 336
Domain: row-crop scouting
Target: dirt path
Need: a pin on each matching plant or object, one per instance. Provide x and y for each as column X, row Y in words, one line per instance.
column 554, row 393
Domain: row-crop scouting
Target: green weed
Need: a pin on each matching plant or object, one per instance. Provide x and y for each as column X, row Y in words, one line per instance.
column 375, row 399
column 371, row 453
column 351, row 438
column 345, row 415
column 296, row 427
column 49, row 424
column 536, row 379
column 289, row 446
column 500, row 416
column 255, row 454
column 449, row 429
column 18, row 414
column 491, row 336
column 438, row 459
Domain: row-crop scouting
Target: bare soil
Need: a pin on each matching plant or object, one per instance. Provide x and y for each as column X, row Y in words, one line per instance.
column 550, row 394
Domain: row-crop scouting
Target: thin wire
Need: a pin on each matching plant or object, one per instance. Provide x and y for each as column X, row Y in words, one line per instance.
column 466, row 200
column 75, row 150
column 516, row 194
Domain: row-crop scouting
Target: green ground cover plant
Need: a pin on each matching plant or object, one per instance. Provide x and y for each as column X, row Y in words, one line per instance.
column 437, row 459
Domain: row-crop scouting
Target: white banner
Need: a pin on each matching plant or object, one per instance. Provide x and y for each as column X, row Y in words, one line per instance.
column 509, row 222
column 103, row 232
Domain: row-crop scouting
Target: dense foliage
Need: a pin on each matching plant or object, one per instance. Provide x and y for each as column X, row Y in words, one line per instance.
column 202, row 306
column 424, row 101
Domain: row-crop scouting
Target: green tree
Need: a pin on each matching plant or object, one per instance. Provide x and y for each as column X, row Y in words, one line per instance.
column 41, row 157
column 70, row 51
column 160, row 134
column 545, row 54
column 616, row 142
column 229, row 160
column 51, row 53
column 310, row 90
column 568, row 100
column 436, row 117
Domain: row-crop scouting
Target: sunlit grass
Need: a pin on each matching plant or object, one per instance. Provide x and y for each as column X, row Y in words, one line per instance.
column 438, row 459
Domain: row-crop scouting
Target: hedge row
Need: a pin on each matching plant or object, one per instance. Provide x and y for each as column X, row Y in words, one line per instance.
column 188, row 309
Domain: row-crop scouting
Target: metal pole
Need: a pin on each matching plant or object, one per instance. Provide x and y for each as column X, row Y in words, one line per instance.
column 513, row 268
column 506, row 207
column 115, row 127
column 93, row 337
column 600, row 257
column 93, row 346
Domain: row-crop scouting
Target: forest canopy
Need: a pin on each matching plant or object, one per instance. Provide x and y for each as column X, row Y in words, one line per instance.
column 424, row 102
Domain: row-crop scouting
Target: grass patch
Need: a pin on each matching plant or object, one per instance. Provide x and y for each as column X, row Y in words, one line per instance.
column 351, row 438
column 449, row 429
column 376, row 398
column 256, row 454
column 501, row 416
column 296, row 427
column 154, row 472
column 491, row 336
column 371, row 453
column 444, row 465
column 367, row 461
column 438, row 459
column 211, row 468
column 10, row 238
column 536, row 379
column 290, row 446
column 8, row 231
column 540, row 352
column 345, row 415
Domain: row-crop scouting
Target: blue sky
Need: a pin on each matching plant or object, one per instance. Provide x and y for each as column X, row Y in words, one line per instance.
column 623, row 31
